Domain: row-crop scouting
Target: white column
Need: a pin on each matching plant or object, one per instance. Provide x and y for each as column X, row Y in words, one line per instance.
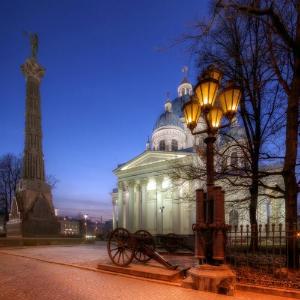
column 181, row 209
column 159, row 205
column 120, row 205
column 137, row 206
column 130, row 204
column 143, row 204
column 176, row 207
column 114, row 212
column 125, row 205
column 189, row 210
column 150, row 206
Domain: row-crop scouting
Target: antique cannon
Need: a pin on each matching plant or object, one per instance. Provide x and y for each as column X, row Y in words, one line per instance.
column 123, row 247
column 172, row 242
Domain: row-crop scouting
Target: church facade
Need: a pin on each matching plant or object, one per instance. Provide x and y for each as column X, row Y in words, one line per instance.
column 150, row 195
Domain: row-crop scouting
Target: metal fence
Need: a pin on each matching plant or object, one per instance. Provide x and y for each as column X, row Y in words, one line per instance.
column 259, row 254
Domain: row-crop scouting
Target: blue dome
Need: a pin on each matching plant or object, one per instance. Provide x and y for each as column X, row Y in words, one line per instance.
column 178, row 103
column 168, row 119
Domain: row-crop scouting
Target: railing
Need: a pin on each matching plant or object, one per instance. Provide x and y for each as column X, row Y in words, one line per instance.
column 259, row 254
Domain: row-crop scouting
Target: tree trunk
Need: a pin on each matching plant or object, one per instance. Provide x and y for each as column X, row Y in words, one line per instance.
column 289, row 176
column 252, row 213
column 254, row 181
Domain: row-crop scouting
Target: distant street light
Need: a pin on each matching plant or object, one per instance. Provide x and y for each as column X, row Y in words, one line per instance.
column 85, row 216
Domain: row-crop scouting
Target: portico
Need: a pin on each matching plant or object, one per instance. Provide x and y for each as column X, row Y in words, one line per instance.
column 147, row 199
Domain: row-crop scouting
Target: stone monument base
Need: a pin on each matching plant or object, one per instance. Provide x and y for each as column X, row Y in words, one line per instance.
column 216, row 279
column 32, row 212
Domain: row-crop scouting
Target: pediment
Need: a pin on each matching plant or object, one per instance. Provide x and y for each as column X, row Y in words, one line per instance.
column 150, row 157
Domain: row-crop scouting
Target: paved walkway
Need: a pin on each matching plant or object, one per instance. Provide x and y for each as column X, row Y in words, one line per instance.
column 88, row 255
column 26, row 278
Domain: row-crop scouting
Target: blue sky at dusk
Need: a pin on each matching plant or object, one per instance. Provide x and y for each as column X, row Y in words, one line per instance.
column 108, row 69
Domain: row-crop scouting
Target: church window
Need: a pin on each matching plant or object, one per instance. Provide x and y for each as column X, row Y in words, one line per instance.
column 233, row 218
column 174, row 145
column 151, row 185
column 234, row 160
column 166, row 183
column 162, row 145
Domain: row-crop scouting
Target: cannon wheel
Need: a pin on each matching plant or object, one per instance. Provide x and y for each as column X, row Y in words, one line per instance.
column 144, row 239
column 171, row 242
column 120, row 247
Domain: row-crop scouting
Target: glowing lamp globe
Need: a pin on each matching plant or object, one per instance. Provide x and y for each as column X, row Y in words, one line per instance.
column 230, row 99
column 214, row 118
column 206, row 91
column 191, row 111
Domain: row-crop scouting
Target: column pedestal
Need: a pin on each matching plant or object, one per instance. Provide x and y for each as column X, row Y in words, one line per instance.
column 210, row 233
column 216, row 279
column 32, row 212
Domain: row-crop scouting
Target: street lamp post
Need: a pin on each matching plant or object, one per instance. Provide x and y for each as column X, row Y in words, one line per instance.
column 162, row 218
column 213, row 104
column 85, row 216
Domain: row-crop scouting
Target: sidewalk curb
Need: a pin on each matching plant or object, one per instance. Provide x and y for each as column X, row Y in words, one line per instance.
column 290, row 293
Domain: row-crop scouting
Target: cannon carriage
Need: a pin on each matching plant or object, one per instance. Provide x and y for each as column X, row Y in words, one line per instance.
column 173, row 242
column 124, row 246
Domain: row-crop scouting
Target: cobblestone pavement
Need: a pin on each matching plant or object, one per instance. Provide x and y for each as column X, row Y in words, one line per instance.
column 26, row 279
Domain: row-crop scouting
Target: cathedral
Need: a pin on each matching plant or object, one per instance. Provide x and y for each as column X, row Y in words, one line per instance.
column 150, row 195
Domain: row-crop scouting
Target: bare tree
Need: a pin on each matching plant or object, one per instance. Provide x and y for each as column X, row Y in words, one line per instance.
column 10, row 174
column 237, row 45
column 270, row 69
column 280, row 21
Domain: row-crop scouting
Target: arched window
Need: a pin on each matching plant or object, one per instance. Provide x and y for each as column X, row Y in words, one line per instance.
column 234, row 159
column 174, row 145
column 233, row 218
column 162, row 145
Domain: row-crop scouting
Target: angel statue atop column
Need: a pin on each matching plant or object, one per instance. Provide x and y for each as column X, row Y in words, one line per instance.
column 34, row 41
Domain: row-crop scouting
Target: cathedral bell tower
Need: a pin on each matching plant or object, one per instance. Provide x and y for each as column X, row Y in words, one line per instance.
column 32, row 211
column 185, row 88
